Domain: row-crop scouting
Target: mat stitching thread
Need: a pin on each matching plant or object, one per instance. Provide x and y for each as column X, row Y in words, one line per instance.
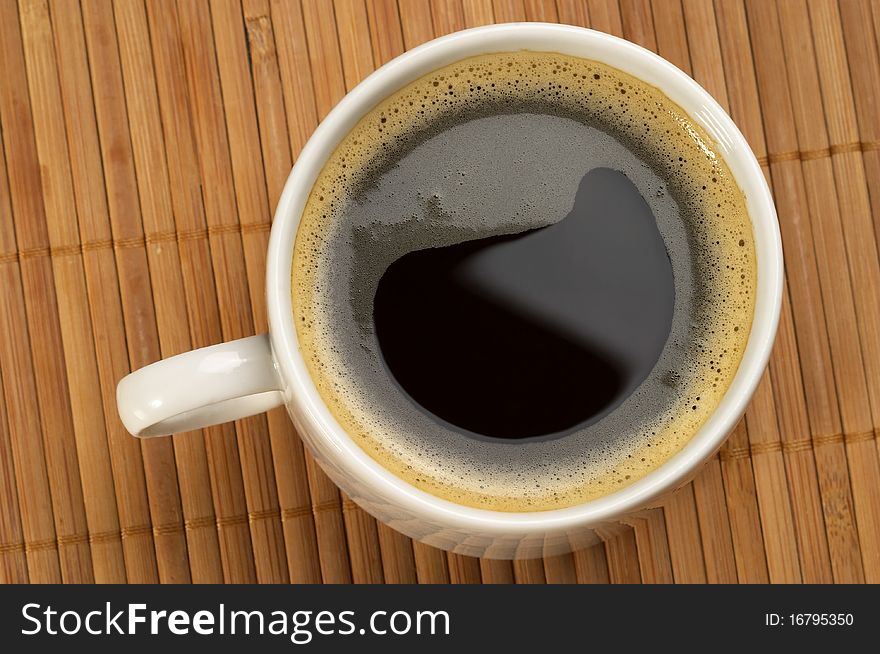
column 133, row 242
column 332, row 505
column 808, row 155
column 799, row 445
column 156, row 530
column 296, row 512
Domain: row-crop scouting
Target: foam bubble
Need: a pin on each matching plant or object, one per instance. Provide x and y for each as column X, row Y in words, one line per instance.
column 450, row 173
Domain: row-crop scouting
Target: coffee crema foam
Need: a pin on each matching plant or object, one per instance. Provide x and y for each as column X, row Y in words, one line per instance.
column 433, row 146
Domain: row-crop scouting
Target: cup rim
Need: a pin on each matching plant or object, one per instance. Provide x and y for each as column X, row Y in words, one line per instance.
column 323, row 431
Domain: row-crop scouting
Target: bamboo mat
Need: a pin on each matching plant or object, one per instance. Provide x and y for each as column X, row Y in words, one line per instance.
column 145, row 143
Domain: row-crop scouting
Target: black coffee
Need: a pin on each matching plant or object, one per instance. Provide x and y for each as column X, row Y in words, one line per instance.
column 532, row 334
column 523, row 281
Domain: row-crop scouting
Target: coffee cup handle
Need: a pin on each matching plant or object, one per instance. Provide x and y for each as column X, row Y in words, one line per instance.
column 200, row 388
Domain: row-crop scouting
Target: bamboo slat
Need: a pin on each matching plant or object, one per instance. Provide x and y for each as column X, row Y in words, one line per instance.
column 653, row 543
column 508, row 11
column 530, row 571
column 623, row 559
column 560, row 569
column 591, row 565
column 864, row 67
column 13, row 563
column 30, row 501
column 478, row 12
column 145, row 144
column 447, row 16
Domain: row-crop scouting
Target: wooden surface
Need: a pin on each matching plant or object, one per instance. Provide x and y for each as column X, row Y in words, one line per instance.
column 144, row 145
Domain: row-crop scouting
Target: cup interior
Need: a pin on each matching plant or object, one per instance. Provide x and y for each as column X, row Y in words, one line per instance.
column 341, row 455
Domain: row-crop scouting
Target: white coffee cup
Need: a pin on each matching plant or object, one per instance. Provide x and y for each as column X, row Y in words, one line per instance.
column 244, row 377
